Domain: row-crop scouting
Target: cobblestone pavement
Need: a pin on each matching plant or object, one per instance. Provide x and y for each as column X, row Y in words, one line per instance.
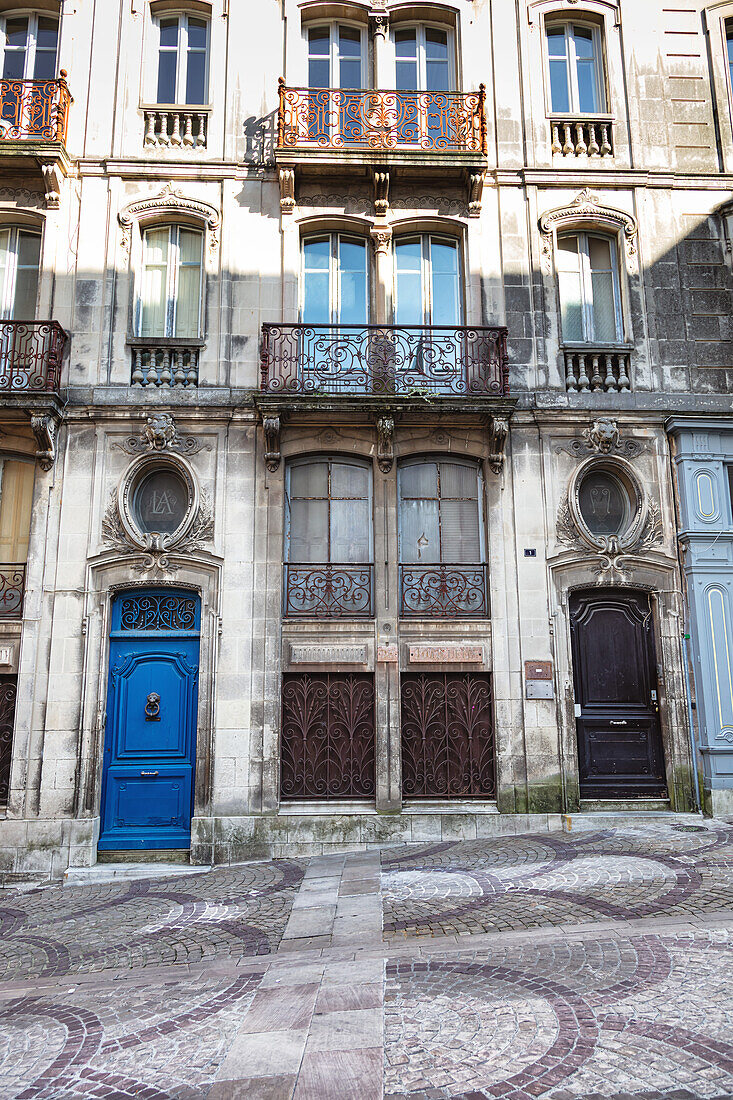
column 589, row 966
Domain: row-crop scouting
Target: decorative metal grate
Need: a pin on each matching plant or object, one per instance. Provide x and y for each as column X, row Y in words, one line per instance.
column 443, row 591
column 34, row 109
column 158, row 613
column 328, row 591
column 431, row 122
column 384, row 359
column 327, row 745
column 8, row 692
column 31, row 353
column 447, row 736
column 12, row 588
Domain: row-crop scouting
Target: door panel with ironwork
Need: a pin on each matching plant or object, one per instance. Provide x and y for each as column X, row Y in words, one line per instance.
column 328, row 733
column 447, row 736
column 8, row 692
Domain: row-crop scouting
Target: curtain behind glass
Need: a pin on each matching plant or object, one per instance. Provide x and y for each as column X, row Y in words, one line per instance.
column 603, row 289
column 188, row 300
column 16, row 500
column 154, row 299
column 569, row 281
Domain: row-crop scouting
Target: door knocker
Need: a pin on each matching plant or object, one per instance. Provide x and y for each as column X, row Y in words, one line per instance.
column 152, row 707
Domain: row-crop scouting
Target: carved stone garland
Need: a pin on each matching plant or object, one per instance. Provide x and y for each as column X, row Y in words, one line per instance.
column 156, row 549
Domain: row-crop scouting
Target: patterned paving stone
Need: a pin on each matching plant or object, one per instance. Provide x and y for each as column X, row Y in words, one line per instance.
column 531, row 882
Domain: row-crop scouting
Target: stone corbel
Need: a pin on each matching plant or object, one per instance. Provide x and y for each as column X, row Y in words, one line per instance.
column 385, row 443
column 271, row 426
column 287, row 190
column 381, row 194
column 44, row 428
column 52, row 178
column 498, row 431
column 475, row 182
column 381, row 238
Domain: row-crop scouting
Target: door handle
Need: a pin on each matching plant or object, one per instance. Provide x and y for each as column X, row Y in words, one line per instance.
column 618, row 722
column 148, row 773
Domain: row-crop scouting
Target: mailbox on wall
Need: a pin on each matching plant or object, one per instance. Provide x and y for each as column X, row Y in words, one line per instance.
column 538, row 682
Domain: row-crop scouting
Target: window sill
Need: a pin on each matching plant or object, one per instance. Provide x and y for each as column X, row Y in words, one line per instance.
column 178, row 108
column 165, row 342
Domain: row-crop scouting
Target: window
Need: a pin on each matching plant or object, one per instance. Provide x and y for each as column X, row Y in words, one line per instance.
column 20, row 252
column 427, row 288
column 575, row 69
column 160, row 501
column 604, row 504
column 29, row 47
column 730, row 488
column 590, row 299
column 329, row 512
column 729, row 49
column 422, row 59
column 335, row 280
column 183, row 60
column 16, row 499
column 170, row 301
column 335, row 56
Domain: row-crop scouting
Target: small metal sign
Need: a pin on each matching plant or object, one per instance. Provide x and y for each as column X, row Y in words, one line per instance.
column 387, row 654
column 538, row 670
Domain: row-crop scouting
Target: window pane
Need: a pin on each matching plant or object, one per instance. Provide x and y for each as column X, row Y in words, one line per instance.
column 556, row 42
column 350, row 525
column 169, row 32
column 309, row 480
column 419, row 531
column 167, row 62
column 583, row 43
column 316, row 279
column 26, row 294
column 604, row 310
column 29, row 249
column 16, row 31
column 348, row 480
column 14, row 65
column 458, row 481
column 571, row 307
column 559, row 90
column 48, row 32
column 603, row 503
column 44, row 67
column 587, row 87
column 154, row 283
column 196, row 34
column 406, row 64
column 319, row 42
column 196, row 91
column 4, row 274
column 599, row 249
column 308, row 531
column 349, row 57
column 353, row 273
column 420, row 479
column 445, row 289
column 459, row 528
column 16, row 499
column 409, row 307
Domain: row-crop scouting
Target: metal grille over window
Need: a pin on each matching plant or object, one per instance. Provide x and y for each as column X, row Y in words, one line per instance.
column 8, row 693
column 327, row 749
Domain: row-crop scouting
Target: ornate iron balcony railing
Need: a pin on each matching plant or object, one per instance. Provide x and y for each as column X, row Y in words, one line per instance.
column 444, row 592
column 328, row 591
column 31, row 353
column 356, row 119
column 12, row 588
column 384, row 359
column 34, row 110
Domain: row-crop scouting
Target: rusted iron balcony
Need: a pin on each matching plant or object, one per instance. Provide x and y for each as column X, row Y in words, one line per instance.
column 383, row 360
column 31, row 353
column 34, row 110
column 328, row 591
column 12, row 588
column 443, row 592
column 362, row 120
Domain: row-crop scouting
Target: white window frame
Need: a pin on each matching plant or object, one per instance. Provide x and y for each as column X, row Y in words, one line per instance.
column 7, row 291
column 421, row 29
column 172, row 270
column 335, row 237
column 572, row 65
column 30, row 50
column 426, row 272
column 333, row 54
column 182, row 58
column 586, row 287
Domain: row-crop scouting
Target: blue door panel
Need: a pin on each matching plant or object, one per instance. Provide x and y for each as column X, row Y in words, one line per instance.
column 150, row 743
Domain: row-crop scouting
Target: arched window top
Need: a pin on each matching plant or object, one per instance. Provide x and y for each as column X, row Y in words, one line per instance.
column 587, row 213
column 169, row 206
column 29, row 43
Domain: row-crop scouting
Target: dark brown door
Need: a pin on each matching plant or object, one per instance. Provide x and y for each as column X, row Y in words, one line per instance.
column 619, row 741
column 8, row 691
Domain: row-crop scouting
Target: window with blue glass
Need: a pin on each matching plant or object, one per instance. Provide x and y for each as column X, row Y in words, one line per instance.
column 183, row 60
column 29, row 43
column 427, row 288
column 335, row 283
column 575, row 68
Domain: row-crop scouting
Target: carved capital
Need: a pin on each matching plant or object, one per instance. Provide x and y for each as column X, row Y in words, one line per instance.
column 287, row 190
column 385, row 443
column 498, row 432
column 271, row 427
column 44, row 428
column 379, row 19
column 381, row 238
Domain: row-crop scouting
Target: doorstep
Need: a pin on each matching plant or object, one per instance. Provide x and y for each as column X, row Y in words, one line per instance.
column 115, row 872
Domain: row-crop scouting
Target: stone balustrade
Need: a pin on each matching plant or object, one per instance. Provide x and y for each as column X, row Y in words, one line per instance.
column 597, row 370
column 161, row 364
column 582, row 137
column 176, row 127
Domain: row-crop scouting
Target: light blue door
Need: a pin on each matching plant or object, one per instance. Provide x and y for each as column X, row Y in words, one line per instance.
column 150, row 743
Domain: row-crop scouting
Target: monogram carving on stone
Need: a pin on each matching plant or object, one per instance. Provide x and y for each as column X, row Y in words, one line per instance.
column 154, row 548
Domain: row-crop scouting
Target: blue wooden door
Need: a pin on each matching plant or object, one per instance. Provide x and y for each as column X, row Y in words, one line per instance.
column 150, row 742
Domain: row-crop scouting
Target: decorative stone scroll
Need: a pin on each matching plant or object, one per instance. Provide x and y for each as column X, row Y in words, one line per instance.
column 587, row 206
column 169, row 201
column 44, row 428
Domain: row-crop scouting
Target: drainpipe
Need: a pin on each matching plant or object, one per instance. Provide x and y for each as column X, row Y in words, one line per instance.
column 690, row 715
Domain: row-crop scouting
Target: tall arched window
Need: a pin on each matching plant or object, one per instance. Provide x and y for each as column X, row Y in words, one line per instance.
column 590, row 293
column 427, row 281
column 183, row 60
column 20, row 251
column 328, row 538
column 29, row 44
column 441, row 540
column 169, row 303
column 575, row 63
column 335, row 280
column 423, row 59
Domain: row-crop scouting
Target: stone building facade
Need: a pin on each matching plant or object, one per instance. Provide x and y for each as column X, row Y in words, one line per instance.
column 338, row 502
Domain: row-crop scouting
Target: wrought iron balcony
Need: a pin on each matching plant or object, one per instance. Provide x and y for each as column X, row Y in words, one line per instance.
column 375, row 120
column 382, row 360
column 328, row 591
column 444, row 592
column 12, row 587
column 34, row 110
column 31, row 353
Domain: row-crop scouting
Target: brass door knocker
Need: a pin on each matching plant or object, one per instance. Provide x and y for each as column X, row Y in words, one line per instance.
column 152, row 707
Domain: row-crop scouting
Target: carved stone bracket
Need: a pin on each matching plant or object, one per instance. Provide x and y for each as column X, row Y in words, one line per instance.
column 475, row 180
column 498, row 427
column 52, row 179
column 381, row 193
column 287, row 190
column 44, row 427
column 587, row 207
column 169, row 201
column 603, row 437
column 385, row 443
column 271, row 427
column 160, row 434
